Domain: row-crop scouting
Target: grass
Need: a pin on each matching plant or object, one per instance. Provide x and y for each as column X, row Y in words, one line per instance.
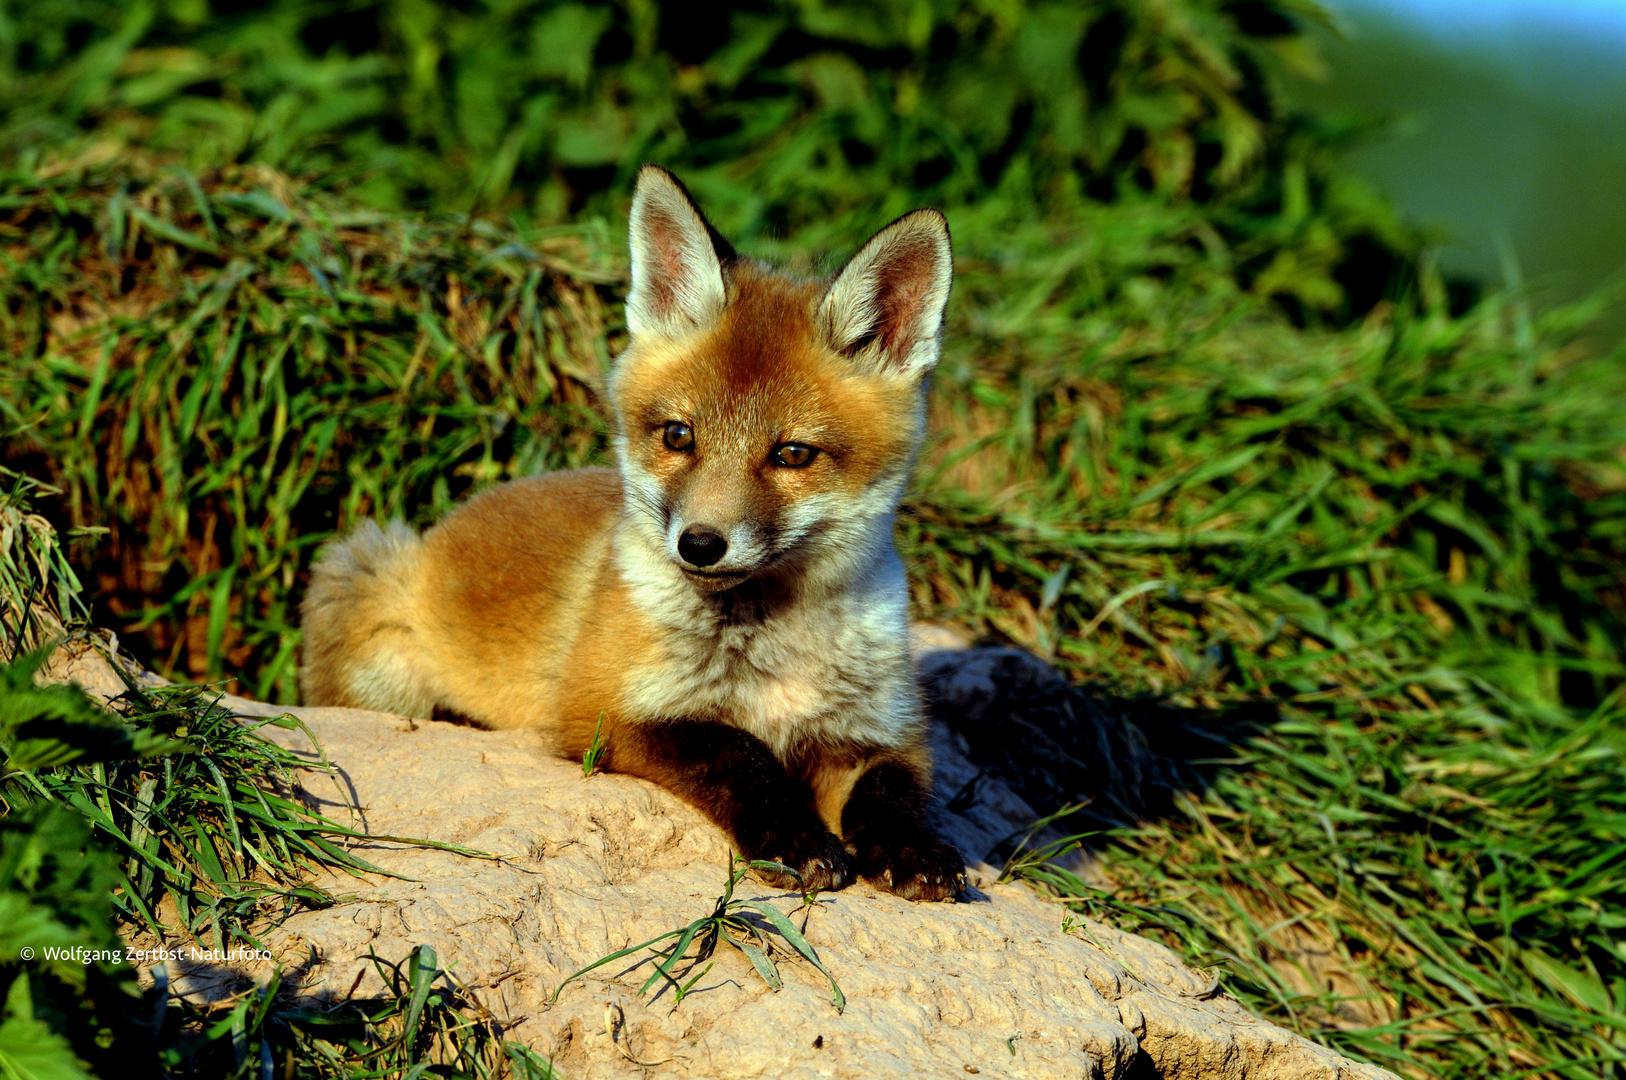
column 785, row 117
column 167, row 815
column 37, row 582
column 595, row 750
column 422, row 1024
column 217, row 833
column 1361, row 589
column 729, row 921
column 349, row 372
column 209, row 815
column 1479, row 877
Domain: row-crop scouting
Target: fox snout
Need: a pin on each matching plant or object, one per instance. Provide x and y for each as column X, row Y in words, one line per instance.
column 702, row 545
column 718, row 551
column 721, row 523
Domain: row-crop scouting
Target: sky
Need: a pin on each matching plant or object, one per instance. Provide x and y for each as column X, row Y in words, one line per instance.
column 1507, row 135
column 1458, row 18
column 1521, row 36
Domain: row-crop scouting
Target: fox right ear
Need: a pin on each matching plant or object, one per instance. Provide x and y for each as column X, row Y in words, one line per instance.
column 677, row 260
column 885, row 307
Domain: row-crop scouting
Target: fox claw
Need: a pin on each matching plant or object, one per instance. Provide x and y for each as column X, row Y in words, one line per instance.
column 822, row 862
column 914, row 866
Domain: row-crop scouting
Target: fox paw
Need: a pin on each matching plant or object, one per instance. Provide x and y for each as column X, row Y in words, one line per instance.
column 814, row 853
column 914, row 864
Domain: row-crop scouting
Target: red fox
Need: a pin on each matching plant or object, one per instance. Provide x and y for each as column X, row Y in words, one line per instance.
column 726, row 607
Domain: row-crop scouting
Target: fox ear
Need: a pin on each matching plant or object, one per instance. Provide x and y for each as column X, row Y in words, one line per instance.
column 677, row 259
column 886, row 305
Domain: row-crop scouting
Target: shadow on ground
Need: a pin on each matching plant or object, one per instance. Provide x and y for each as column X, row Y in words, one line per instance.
column 1021, row 724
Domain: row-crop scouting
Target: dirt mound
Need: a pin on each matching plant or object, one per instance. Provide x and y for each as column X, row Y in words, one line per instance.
column 586, row 866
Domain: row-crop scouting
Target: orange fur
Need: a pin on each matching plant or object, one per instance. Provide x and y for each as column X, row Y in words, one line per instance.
column 565, row 603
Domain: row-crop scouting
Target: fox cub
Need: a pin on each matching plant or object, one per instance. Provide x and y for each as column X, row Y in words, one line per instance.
column 727, row 603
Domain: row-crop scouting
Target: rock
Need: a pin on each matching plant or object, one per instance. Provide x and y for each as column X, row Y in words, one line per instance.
column 586, row 866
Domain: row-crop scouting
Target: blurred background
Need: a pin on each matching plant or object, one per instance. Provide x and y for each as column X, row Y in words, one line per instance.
column 1505, row 130
column 1498, row 128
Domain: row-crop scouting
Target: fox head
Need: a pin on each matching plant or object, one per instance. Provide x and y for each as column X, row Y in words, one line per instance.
column 767, row 425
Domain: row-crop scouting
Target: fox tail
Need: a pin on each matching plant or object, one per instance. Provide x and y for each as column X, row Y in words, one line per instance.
column 363, row 639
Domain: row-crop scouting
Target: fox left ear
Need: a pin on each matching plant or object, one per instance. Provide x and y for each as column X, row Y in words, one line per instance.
column 677, row 259
column 887, row 303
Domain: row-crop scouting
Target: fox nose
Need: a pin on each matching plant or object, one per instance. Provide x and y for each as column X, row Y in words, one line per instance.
column 701, row 545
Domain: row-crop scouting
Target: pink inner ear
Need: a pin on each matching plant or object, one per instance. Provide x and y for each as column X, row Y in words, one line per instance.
column 905, row 284
column 666, row 236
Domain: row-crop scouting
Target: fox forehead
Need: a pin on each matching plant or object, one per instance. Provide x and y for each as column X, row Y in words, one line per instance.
column 763, row 374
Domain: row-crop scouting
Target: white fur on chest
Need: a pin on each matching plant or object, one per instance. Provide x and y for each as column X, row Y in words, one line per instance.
column 831, row 670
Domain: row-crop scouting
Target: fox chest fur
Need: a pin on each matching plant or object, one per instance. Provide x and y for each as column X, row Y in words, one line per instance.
column 582, row 619
column 788, row 669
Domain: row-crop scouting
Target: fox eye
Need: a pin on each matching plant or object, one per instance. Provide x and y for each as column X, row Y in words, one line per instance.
column 679, row 436
column 794, row 455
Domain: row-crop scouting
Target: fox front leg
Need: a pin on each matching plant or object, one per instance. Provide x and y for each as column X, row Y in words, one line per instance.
column 732, row 777
column 884, row 822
